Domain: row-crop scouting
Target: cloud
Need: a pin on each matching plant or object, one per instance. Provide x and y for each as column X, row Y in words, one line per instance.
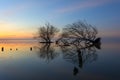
column 83, row 5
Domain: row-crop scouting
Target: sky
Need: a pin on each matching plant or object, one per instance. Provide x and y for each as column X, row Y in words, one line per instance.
column 21, row 18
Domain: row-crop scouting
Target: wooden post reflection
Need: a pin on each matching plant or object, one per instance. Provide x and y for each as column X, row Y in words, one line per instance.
column 11, row 49
column 30, row 48
column 2, row 49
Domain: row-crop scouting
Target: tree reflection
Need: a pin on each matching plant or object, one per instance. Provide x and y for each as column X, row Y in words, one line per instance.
column 46, row 51
column 79, row 55
column 78, row 42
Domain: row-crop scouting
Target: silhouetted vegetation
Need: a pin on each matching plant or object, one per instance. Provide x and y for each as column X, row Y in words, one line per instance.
column 46, row 33
column 78, row 42
column 77, row 32
column 74, row 34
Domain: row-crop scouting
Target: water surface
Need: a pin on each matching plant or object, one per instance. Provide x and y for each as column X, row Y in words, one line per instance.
column 30, row 60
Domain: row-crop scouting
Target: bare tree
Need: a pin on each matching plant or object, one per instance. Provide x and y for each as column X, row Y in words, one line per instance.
column 79, row 31
column 47, row 32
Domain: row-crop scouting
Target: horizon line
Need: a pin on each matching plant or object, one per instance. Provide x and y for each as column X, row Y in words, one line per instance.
column 17, row 39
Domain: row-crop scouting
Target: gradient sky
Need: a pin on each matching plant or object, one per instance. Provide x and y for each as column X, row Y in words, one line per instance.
column 21, row 18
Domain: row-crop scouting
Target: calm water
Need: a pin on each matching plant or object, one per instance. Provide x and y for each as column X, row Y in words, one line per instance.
column 29, row 60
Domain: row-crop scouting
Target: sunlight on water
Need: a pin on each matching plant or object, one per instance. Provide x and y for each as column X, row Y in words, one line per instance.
column 11, row 50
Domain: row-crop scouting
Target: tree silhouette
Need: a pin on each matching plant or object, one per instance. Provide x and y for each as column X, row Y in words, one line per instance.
column 78, row 43
column 46, row 33
column 79, row 31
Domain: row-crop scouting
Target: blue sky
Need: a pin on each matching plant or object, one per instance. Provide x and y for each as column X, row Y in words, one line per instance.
column 25, row 16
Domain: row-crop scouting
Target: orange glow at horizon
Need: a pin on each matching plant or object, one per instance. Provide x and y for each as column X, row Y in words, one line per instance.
column 27, row 35
column 10, row 30
column 15, row 35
